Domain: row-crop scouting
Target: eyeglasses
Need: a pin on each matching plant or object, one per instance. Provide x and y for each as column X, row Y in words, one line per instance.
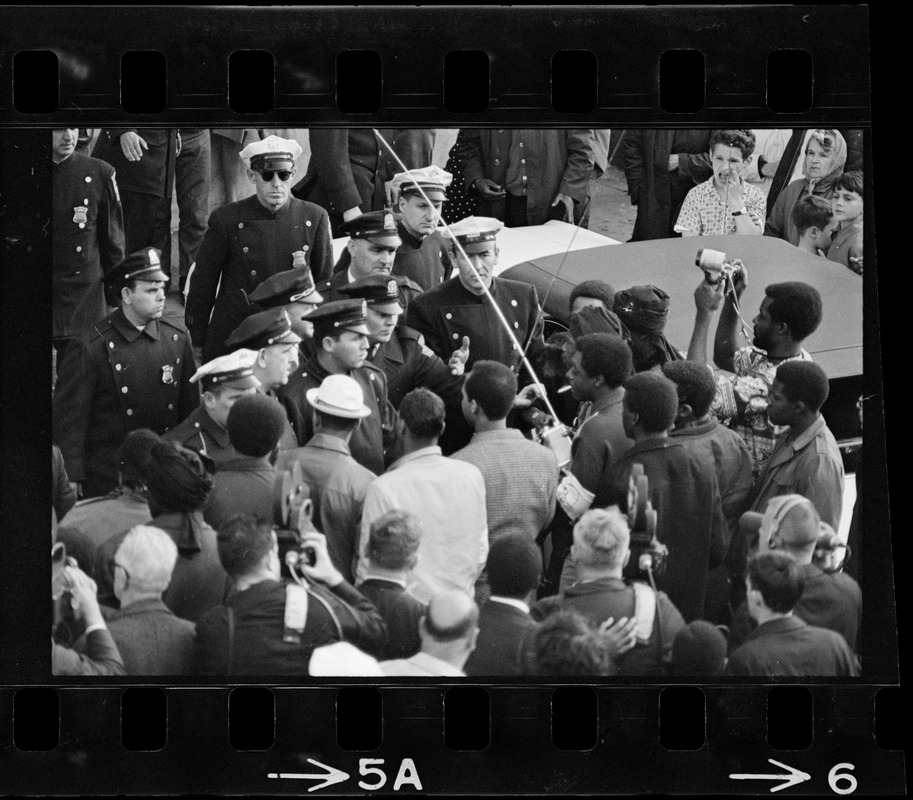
column 267, row 174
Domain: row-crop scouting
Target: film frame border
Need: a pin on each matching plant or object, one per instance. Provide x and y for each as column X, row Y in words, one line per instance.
column 857, row 112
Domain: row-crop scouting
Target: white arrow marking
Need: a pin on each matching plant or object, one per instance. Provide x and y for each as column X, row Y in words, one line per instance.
column 795, row 776
column 331, row 776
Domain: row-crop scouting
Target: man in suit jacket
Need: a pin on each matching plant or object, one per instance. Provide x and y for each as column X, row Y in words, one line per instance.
column 151, row 639
column 514, row 566
column 390, row 555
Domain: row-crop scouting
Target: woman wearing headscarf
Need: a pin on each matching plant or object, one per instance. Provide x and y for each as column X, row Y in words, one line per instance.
column 825, row 157
column 178, row 482
column 644, row 311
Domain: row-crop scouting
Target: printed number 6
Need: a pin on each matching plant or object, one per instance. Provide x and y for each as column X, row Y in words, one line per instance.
column 834, row 778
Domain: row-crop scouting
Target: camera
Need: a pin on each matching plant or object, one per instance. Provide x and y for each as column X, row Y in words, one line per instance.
column 715, row 265
column 649, row 555
column 292, row 515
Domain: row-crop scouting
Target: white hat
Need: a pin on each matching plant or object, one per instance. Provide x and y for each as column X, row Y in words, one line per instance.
column 234, row 370
column 272, row 148
column 474, row 231
column 339, row 396
column 343, row 659
column 432, row 180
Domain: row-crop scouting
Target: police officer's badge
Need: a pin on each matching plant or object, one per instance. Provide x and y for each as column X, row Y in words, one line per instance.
column 168, row 374
column 389, row 223
column 153, row 258
column 391, row 289
column 299, row 259
column 79, row 215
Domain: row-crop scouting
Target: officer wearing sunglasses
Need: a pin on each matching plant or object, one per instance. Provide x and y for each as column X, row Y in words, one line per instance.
column 251, row 240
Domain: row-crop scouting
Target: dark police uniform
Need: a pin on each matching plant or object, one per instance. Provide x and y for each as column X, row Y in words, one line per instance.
column 424, row 261
column 367, row 442
column 201, row 433
column 145, row 186
column 115, row 379
column 349, row 166
column 246, row 243
column 88, row 239
column 408, row 290
column 447, row 313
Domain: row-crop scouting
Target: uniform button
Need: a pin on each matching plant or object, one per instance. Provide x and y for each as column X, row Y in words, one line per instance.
column 177, row 360
column 522, row 160
column 82, row 225
column 513, row 347
column 516, row 324
column 124, row 389
column 456, row 336
column 440, row 254
column 88, row 179
column 497, row 162
column 513, row 303
column 253, row 273
column 371, row 376
column 85, row 202
column 448, row 315
column 240, row 224
column 305, row 246
column 524, row 177
column 196, row 424
column 308, row 223
column 171, row 406
column 129, row 412
column 175, row 337
column 521, row 144
column 245, row 249
column 111, row 345
column 118, row 367
column 500, row 130
column 79, row 249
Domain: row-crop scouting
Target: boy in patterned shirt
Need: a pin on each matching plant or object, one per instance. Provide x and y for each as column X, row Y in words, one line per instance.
column 725, row 203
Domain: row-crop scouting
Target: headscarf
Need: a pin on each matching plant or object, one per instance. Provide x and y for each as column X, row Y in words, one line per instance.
column 644, row 309
column 825, row 184
column 596, row 319
column 179, row 480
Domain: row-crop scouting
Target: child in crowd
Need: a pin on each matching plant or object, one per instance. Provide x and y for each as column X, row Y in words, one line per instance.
column 846, row 246
column 814, row 219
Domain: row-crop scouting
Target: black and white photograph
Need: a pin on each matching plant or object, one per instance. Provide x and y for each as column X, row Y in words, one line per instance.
column 413, row 442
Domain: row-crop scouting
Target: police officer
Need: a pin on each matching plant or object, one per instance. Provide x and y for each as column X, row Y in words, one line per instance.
column 341, row 342
column 222, row 381
column 459, row 309
column 398, row 350
column 373, row 240
column 294, row 292
column 88, row 236
column 349, row 167
column 144, row 159
column 130, row 370
column 422, row 255
column 270, row 334
column 252, row 239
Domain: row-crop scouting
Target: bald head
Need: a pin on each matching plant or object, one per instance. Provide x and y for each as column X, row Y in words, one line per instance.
column 451, row 616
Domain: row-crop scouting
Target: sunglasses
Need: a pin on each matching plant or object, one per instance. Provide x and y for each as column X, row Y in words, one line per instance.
column 267, row 174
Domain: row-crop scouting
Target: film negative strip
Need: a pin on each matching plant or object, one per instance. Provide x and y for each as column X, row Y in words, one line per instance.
column 439, row 69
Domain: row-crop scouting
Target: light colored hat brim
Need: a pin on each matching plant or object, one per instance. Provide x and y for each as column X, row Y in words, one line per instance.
column 335, row 411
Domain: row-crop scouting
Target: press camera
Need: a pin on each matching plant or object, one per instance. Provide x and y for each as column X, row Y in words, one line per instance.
column 649, row 554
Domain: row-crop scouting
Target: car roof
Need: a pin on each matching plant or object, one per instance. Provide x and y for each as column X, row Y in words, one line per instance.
column 670, row 265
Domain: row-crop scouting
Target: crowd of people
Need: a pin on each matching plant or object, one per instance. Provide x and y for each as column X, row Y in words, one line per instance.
column 483, row 501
